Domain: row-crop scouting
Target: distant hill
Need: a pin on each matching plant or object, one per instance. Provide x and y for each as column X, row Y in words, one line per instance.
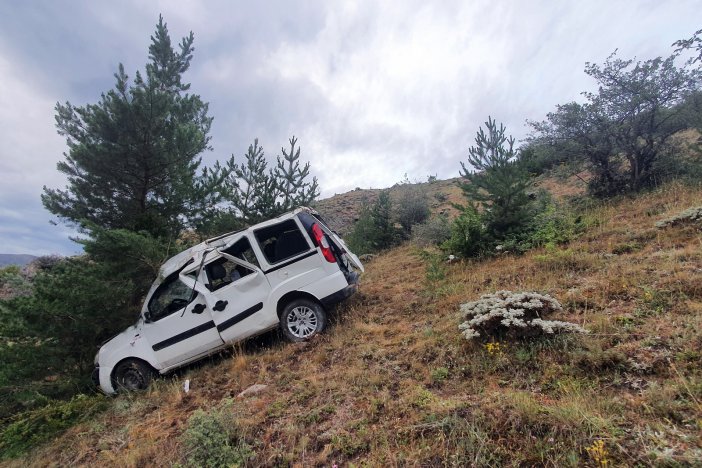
column 15, row 259
column 342, row 210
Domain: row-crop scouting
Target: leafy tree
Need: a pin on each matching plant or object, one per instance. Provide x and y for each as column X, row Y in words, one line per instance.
column 694, row 43
column 412, row 207
column 625, row 127
column 498, row 183
column 294, row 189
column 132, row 158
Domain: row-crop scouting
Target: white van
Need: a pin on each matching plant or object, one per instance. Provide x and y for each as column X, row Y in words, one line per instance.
column 284, row 272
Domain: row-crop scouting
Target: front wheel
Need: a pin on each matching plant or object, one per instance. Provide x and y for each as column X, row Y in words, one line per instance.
column 132, row 375
column 302, row 319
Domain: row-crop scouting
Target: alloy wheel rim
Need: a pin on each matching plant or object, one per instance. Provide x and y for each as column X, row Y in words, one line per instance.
column 302, row 322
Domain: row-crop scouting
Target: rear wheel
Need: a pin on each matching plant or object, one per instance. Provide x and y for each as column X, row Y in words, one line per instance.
column 132, row 375
column 302, row 319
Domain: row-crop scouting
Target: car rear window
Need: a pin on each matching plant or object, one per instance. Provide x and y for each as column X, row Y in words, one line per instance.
column 281, row 241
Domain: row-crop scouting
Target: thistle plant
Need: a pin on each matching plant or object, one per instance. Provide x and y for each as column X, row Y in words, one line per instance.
column 514, row 314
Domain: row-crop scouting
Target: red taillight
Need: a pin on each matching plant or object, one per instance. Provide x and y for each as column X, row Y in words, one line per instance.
column 323, row 243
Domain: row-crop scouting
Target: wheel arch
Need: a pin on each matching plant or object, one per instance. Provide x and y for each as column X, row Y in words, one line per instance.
column 287, row 298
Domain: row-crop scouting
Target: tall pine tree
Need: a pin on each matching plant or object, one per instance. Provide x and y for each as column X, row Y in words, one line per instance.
column 294, row 189
column 498, row 183
column 133, row 157
column 252, row 188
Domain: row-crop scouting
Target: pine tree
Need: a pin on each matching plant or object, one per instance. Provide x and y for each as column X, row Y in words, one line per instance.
column 499, row 183
column 374, row 229
column 294, row 189
column 133, row 157
column 252, row 189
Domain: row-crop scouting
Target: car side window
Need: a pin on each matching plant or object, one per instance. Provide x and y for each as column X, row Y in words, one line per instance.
column 242, row 249
column 171, row 296
column 281, row 241
column 223, row 272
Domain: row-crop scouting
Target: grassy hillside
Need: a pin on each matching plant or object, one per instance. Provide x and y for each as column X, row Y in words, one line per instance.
column 392, row 383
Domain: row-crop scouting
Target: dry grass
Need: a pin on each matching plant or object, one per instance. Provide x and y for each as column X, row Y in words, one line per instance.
column 392, row 383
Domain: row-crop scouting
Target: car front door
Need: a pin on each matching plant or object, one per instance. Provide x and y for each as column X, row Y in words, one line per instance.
column 178, row 324
column 238, row 293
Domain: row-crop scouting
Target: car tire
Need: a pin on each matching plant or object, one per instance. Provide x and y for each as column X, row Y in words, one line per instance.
column 302, row 319
column 132, row 375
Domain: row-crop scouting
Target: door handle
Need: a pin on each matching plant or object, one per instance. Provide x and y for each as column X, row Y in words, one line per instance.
column 220, row 306
column 198, row 308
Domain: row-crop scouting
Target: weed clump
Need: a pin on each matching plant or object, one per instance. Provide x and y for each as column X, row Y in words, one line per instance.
column 686, row 217
column 212, row 439
column 513, row 314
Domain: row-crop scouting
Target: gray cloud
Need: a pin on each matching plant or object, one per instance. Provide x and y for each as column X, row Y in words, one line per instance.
column 373, row 90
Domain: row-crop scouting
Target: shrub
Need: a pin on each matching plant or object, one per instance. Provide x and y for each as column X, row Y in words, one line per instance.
column 553, row 224
column 412, row 207
column 439, row 374
column 212, row 439
column 441, row 196
column 34, row 427
column 510, row 314
column 13, row 282
column 435, row 231
column 689, row 216
column 374, row 229
column 469, row 237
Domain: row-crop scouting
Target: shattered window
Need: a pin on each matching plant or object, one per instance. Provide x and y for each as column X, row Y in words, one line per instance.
column 281, row 241
column 171, row 296
column 223, row 272
column 242, row 249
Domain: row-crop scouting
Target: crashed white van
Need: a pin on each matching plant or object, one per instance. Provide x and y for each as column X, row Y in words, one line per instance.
column 284, row 272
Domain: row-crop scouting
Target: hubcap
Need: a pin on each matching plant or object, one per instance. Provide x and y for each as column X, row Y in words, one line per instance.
column 302, row 322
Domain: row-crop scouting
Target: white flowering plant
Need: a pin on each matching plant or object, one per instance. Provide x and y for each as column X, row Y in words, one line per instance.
column 513, row 314
column 689, row 216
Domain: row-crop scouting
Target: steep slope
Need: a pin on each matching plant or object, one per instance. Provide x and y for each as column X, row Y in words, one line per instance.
column 393, row 383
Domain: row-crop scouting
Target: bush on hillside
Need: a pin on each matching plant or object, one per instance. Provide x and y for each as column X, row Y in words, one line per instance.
column 434, row 231
column 212, row 439
column 375, row 228
column 412, row 207
column 507, row 314
column 37, row 426
column 469, row 237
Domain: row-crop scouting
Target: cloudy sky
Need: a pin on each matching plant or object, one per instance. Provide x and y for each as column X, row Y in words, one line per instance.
column 373, row 90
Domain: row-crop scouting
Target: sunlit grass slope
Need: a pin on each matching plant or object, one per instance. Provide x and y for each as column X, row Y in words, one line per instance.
column 392, row 383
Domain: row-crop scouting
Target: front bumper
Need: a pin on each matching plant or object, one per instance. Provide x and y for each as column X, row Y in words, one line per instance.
column 95, row 376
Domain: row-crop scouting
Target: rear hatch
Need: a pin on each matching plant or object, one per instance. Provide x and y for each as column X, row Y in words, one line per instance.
column 339, row 246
